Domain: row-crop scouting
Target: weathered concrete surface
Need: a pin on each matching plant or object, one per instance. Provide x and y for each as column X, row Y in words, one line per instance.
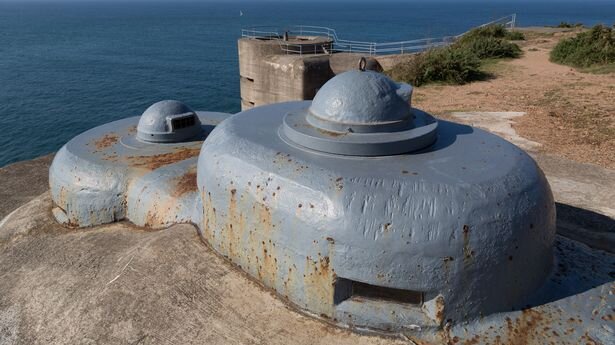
column 585, row 200
column 22, row 181
column 118, row 284
column 583, row 192
column 269, row 74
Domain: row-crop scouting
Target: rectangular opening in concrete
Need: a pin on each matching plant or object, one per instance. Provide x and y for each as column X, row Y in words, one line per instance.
column 350, row 289
column 183, row 122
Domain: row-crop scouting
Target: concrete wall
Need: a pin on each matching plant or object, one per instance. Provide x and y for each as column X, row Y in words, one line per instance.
column 269, row 73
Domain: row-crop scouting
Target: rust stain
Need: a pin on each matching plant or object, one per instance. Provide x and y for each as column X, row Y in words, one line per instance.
column 185, row 183
column 330, row 133
column 472, row 341
column 161, row 213
column 319, row 284
column 440, row 310
column 525, row 328
column 106, row 141
column 209, row 217
column 339, row 183
column 132, row 129
column 468, row 253
column 156, row 161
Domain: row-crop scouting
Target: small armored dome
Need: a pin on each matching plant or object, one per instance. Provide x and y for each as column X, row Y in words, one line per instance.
column 168, row 121
column 361, row 113
column 362, row 97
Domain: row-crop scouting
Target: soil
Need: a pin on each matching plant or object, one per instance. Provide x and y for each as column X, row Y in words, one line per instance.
column 570, row 112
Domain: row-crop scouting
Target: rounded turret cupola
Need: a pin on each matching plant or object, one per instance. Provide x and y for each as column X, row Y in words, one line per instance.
column 361, row 113
column 167, row 122
column 362, row 98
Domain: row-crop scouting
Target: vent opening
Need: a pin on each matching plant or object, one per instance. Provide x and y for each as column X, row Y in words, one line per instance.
column 349, row 289
column 183, row 122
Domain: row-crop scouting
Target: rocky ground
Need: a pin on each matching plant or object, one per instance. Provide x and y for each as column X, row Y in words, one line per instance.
column 570, row 112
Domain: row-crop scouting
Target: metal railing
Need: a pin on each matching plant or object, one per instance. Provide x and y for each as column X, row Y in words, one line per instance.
column 337, row 44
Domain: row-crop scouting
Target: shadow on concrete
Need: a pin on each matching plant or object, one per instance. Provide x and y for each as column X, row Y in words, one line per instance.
column 584, row 218
column 447, row 134
column 583, row 255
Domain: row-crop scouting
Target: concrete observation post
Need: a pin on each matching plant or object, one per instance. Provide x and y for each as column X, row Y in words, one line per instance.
column 276, row 68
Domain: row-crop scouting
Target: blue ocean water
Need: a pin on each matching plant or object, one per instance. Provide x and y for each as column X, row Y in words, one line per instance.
column 69, row 66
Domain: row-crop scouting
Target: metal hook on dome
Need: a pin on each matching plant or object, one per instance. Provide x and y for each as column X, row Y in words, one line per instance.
column 362, row 64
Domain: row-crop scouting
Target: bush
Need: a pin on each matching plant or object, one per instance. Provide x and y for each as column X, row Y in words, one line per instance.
column 567, row 25
column 493, row 31
column 491, row 47
column 515, row 36
column 451, row 65
column 587, row 49
column 490, row 42
column 448, row 65
column 460, row 62
column 410, row 71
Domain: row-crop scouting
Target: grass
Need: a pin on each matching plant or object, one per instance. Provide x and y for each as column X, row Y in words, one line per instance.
column 592, row 127
column 466, row 60
column 494, row 66
column 600, row 69
column 590, row 50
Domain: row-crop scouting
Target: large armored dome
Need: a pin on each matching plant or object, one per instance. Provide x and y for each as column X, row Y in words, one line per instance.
column 361, row 113
column 168, row 121
column 362, row 97
column 353, row 211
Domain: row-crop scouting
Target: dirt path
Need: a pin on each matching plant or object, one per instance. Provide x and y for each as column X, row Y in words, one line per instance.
column 572, row 114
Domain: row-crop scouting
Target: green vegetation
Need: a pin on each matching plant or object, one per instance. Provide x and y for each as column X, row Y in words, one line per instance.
column 449, row 65
column 493, row 31
column 590, row 49
column 460, row 62
column 567, row 25
column 515, row 36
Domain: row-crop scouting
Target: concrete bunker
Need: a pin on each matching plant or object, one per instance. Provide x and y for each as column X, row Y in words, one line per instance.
column 366, row 211
column 355, row 207
column 141, row 168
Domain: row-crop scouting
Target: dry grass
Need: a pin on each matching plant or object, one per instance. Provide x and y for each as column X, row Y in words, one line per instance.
column 570, row 112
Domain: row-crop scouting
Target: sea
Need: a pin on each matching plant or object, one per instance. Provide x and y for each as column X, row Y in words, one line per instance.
column 68, row 66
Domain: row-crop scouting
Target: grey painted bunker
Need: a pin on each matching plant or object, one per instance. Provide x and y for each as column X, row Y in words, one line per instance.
column 363, row 210
column 355, row 207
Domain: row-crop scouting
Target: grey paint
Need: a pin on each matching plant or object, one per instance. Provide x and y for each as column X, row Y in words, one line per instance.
column 362, row 97
column 156, row 123
column 469, row 221
column 466, row 221
column 360, row 113
column 106, row 174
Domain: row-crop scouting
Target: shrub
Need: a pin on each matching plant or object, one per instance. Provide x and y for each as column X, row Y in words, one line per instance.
column 448, row 65
column 497, row 31
column 460, row 62
column 493, row 31
column 490, row 42
column 515, row 36
column 451, row 65
column 568, row 25
column 410, row 71
column 590, row 48
column 491, row 47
